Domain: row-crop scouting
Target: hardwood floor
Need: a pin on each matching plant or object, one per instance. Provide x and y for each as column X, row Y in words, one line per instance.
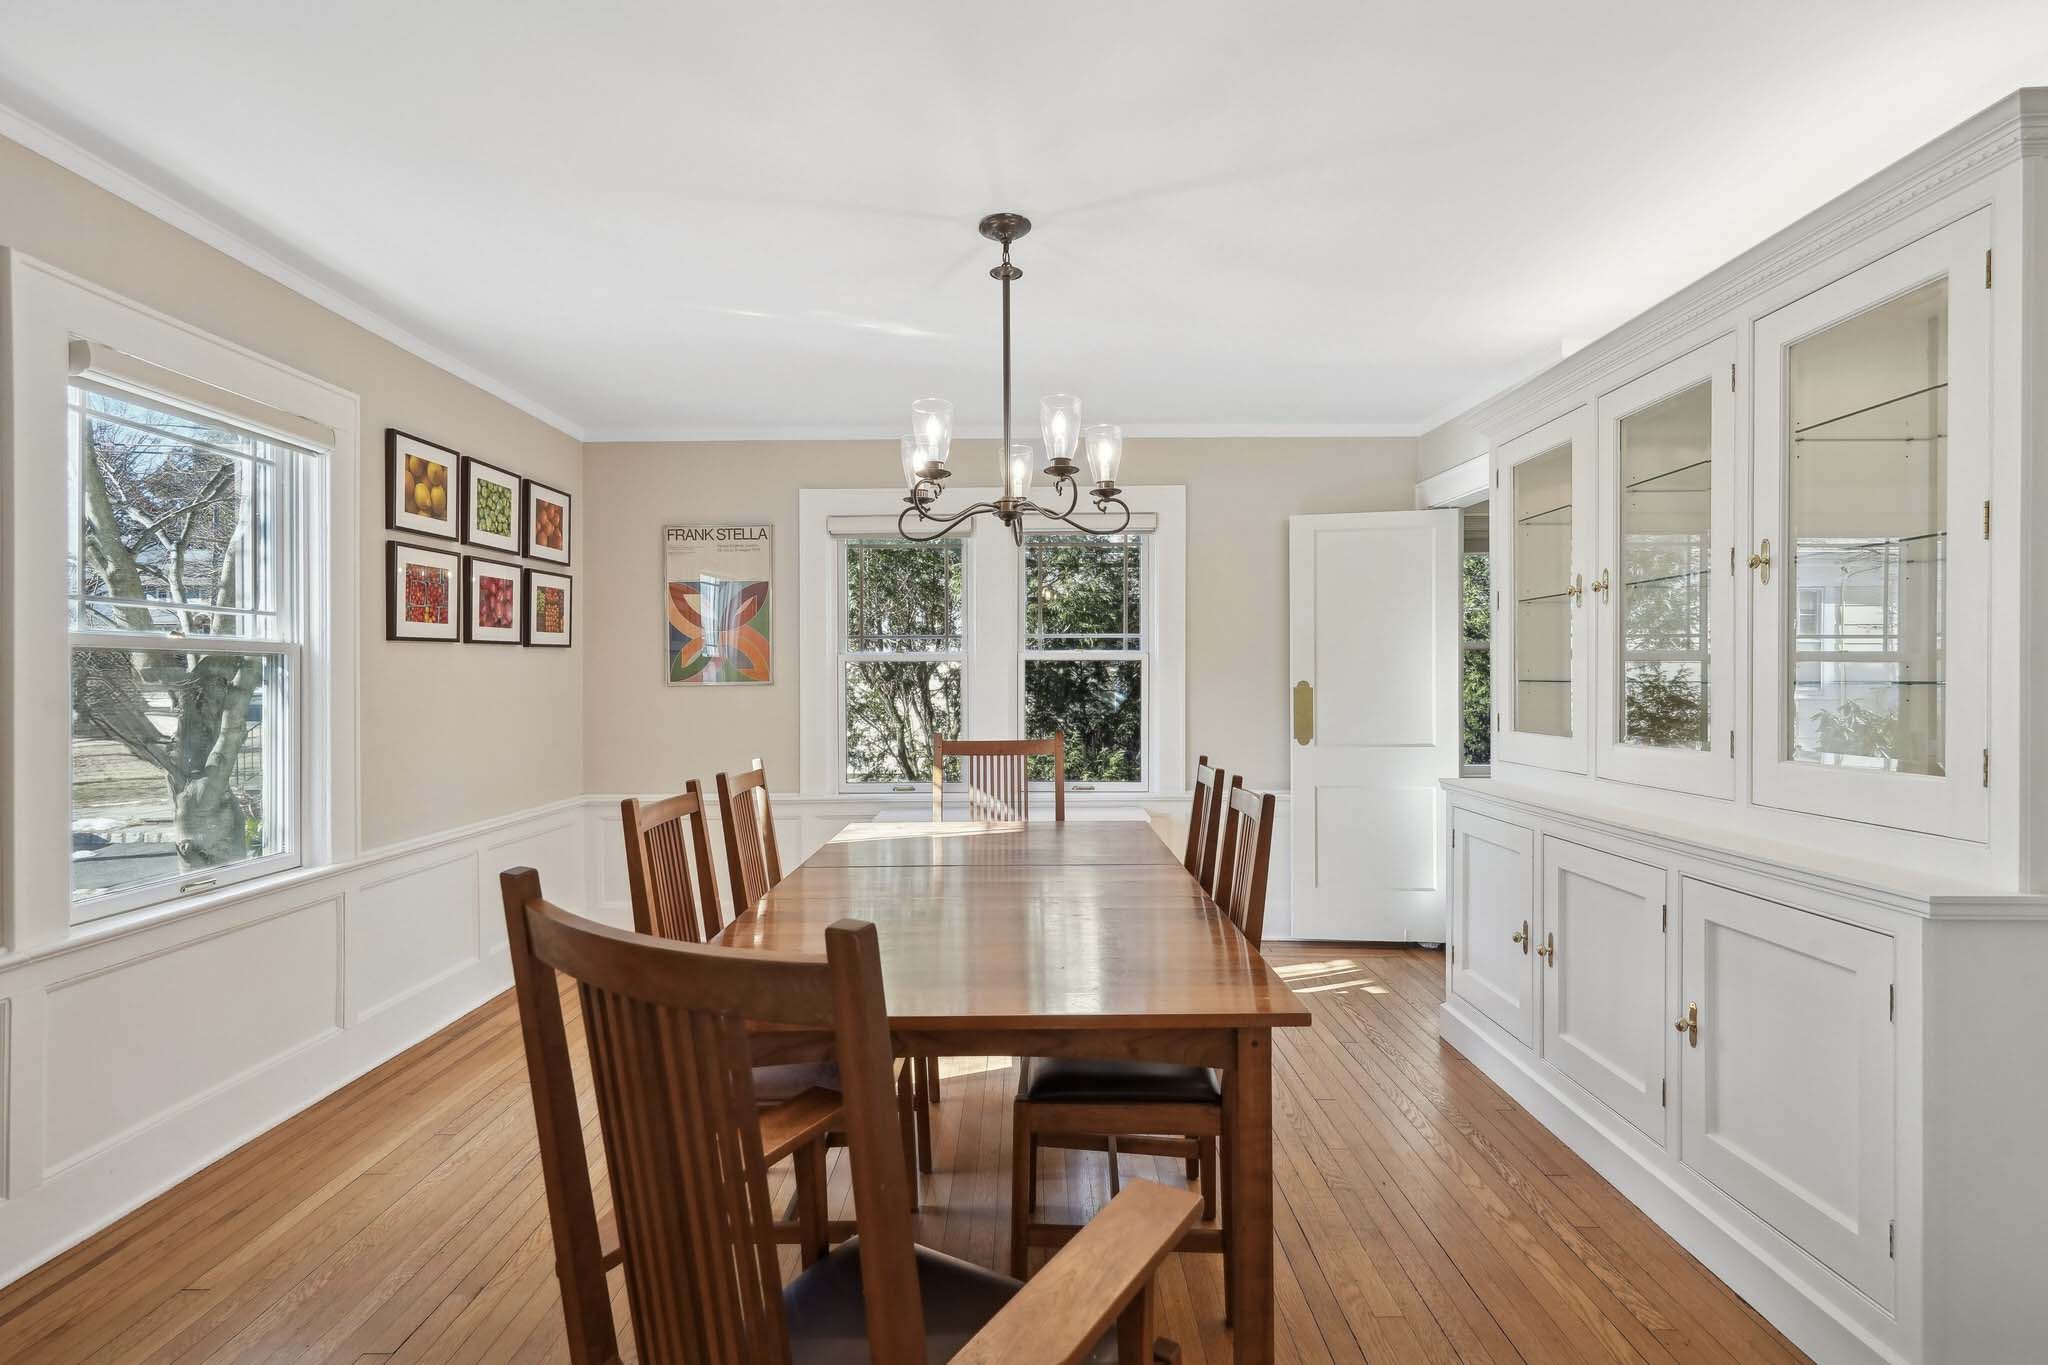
column 1421, row 1216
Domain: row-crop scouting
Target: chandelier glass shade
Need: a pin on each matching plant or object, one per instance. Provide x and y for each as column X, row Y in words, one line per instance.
column 928, row 448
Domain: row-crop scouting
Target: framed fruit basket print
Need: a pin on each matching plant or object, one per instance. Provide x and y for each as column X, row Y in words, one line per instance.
column 491, row 602
column 548, row 606
column 419, row 485
column 422, row 592
column 547, row 523
column 715, row 596
column 490, row 507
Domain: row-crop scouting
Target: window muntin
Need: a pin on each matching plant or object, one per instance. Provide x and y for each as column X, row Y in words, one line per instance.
column 186, row 632
column 902, row 656
column 1086, row 653
column 1867, row 506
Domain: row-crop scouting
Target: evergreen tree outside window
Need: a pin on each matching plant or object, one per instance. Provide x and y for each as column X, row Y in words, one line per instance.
column 1086, row 651
column 902, row 656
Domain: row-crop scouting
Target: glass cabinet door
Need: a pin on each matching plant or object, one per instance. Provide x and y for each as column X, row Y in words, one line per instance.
column 1872, row 467
column 1542, row 543
column 1662, row 592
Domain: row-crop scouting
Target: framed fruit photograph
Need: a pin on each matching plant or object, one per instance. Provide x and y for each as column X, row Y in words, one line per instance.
column 547, row 608
column 422, row 588
column 491, row 600
column 490, row 507
column 547, row 523
column 419, row 485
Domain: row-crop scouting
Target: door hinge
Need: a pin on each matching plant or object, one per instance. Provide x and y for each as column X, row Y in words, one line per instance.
column 1891, row 1003
column 1666, row 927
column 1664, row 1093
column 1987, row 767
column 1987, row 518
column 1731, row 559
column 1987, row 267
column 1454, row 838
column 1496, row 478
column 1891, row 1239
column 1454, row 954
column 1731, row 378
column 1731, row 746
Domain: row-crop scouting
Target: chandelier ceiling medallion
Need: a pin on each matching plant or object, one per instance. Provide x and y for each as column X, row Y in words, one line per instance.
column 929, row 445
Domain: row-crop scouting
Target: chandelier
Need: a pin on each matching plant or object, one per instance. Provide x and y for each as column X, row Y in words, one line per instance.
column 930, row 443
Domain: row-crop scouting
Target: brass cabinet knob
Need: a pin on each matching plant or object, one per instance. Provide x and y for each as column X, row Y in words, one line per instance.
column 1762, row 560
column 1521, row 936
column 1548, row 952
column 1577, row 590
column 1602, row 585
column 1690, row 1024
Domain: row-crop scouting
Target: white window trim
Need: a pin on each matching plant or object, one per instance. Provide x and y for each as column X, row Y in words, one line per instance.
column 47, row 309
column 992, row 697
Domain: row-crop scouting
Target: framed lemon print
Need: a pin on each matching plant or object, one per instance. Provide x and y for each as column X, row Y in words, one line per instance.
column 420, row 490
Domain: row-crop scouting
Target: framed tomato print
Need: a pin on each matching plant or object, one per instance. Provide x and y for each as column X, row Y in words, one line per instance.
column 547, row 608
column 419, row 485
column 547, row 523
column 490, row 507
column 491, row 602
column 421, row 589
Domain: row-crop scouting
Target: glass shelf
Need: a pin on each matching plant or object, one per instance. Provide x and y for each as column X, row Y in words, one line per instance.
column 1696, row 477
column 1908, row 418
column 1550, row 516
column 1542, row 597
column 1687, row 576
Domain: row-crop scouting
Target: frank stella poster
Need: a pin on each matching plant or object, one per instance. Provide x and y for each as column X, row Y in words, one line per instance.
column 716, row 595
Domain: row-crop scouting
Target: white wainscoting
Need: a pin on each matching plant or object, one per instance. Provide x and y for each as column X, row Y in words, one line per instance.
column 137, row 1053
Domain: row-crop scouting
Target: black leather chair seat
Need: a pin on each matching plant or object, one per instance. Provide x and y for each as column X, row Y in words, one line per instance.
column 774, row 1084
column 828, row 1322
column 1063, row 1080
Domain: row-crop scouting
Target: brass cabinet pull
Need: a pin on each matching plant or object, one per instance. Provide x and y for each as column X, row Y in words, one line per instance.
column 1548, row 952
column 1578, row 588
column 1304, row 713
column 1602, row 585
column 1762, row 560
column 1522, row 937
column 1690, row 1025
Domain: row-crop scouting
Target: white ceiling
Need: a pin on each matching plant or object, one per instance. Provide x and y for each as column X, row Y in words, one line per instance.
column 656, row 218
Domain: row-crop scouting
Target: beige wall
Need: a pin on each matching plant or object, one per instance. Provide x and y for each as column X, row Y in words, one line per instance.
column 642, row 736
column 449, row 733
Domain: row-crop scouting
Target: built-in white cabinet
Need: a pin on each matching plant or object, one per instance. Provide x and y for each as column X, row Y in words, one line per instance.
column 1786, row 1074
column 1493, row 959
column 1602, row 981
column 1664, row 611
column 1543, row 632
column 1870, row 580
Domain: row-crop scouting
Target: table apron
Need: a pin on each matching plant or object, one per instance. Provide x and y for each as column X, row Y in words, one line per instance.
column 1189, row 1046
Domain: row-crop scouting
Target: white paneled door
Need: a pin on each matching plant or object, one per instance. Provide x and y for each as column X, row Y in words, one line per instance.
column 1373, row 645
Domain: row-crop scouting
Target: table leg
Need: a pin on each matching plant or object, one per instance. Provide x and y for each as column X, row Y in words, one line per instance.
column 1248, row 1195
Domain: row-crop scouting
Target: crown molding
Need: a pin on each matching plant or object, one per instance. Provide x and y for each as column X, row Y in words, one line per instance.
column 163, row 197
column 2014, row 127
column 663, row 435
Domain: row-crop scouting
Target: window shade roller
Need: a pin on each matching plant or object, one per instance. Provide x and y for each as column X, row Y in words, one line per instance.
column 194, row 398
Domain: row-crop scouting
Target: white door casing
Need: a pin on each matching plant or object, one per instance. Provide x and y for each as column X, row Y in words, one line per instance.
column 1786, row 1097
column 1493, row 920
column 1603, row 984
column 1373, row 647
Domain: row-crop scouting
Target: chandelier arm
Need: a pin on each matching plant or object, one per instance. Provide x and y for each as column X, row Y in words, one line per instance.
column 1102, row 507
column 904, row 516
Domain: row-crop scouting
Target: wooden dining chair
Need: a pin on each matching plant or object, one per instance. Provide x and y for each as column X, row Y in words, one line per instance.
column 1204, row 821
column 687, row 1153
column 995, row 774
column 1143, row 1108
column 663, row 839
column 753, row 865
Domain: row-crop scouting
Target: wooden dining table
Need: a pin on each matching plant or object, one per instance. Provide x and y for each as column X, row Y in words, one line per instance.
column 1060, row 939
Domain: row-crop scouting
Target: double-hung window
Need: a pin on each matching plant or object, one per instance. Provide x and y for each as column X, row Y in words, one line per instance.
column 187, row 625
column 1085, row 653
column 903, row 635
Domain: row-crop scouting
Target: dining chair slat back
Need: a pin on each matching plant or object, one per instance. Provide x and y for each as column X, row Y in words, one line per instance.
column 1247, row 851
column 996, row 775
column 1204, row 822
column 668, row 866
column 667, row 1028
column 753, row 865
